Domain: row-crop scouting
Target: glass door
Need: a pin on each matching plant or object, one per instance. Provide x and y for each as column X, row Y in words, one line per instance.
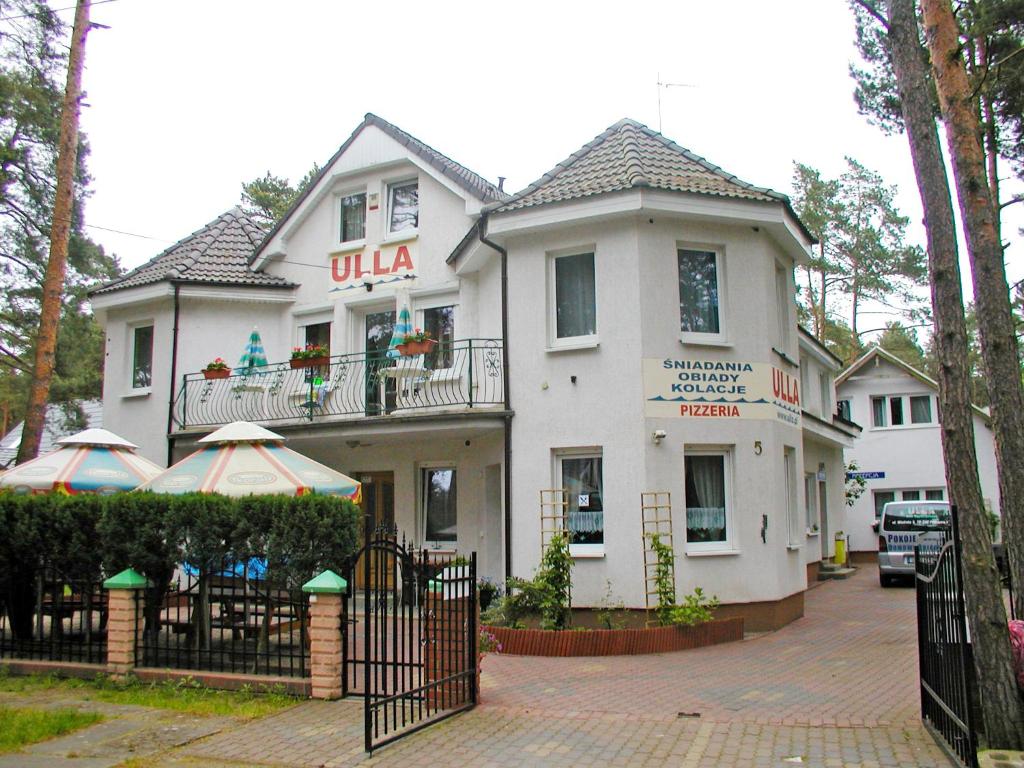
column 380, row 389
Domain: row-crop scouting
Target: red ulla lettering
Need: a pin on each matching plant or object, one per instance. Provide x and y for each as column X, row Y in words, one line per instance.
column 377, row 268
column 348, row 268
column 402, row 259
column 785, row 388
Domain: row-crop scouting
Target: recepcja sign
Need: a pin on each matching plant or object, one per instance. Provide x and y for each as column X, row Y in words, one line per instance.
column 692, row 388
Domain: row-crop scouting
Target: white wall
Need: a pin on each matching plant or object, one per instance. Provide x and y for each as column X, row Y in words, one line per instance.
column 910, row 456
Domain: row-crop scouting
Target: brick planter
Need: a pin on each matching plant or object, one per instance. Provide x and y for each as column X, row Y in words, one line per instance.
column 615, row 642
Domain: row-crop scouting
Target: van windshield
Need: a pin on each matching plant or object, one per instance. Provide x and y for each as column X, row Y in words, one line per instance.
column 915, row 517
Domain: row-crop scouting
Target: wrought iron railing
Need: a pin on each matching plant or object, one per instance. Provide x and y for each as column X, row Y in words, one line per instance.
column 461, row 374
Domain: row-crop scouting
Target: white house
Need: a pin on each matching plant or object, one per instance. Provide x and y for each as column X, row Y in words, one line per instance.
column 625, row 325
column 900, row 451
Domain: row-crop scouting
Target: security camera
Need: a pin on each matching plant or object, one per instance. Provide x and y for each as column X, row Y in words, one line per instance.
column 658, row 435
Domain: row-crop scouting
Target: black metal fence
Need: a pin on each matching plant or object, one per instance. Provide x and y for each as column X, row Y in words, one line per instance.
column 948, row 687
column 464, row 373
column 409, row 637
column 55, row 617
column 227, row 618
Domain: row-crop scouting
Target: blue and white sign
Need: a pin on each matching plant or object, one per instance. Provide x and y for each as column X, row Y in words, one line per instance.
column 865, row 475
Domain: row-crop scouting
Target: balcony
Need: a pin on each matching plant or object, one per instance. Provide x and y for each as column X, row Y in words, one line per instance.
column 456, row 377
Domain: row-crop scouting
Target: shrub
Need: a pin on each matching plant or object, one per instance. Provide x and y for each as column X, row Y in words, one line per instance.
column 547, row 594
column 696, row 608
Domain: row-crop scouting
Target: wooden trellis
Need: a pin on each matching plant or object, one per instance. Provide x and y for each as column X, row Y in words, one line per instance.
column 656, row 518
column 554, row 510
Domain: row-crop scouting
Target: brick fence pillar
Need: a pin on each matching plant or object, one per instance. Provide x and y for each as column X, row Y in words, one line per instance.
column 326, row 592
column 447, row 649
column 124, row 620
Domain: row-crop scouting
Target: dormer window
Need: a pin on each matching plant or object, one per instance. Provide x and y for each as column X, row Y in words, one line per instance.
column 403, row 207
column 353, row 217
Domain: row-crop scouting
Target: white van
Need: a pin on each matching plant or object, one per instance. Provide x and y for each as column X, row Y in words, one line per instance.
column 904, row 525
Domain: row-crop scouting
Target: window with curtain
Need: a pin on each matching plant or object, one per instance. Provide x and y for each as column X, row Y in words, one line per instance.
column 403, row 207
column 811, row 500
column 575, row 296
column 698, row 291
column 706, row 507
column 353, row 217
column 911, row 495
column 142, row 357
column 881, row 499
column 843, row 409
column 582, row 477
column 934, row 494
column 439, row 322
column 878, row 412
column 439, row 509
column 921, row 409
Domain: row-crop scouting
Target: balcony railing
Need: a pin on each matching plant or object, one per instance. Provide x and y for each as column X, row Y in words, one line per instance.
column 466, row 373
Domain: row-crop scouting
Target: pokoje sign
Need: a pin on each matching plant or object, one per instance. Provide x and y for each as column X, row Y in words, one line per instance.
column 692, row 388
column 355, row 270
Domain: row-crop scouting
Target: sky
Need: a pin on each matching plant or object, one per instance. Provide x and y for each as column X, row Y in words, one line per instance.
column 189, row 99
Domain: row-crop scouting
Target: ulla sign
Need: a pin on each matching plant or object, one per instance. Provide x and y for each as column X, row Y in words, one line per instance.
column 354, row 270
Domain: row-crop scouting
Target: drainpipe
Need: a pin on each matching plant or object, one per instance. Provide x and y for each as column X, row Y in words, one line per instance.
column 481, row 232
column 174, row 375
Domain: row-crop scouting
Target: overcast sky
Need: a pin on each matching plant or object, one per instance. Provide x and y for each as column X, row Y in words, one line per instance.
column 189, row 99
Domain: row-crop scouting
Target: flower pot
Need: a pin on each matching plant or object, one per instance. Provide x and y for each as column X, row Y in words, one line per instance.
column 216, row 373
column 309, row 362
column 410, row 348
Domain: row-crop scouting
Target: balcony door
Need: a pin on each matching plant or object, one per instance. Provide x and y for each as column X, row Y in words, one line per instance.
column 378, row 329
column 378, row 504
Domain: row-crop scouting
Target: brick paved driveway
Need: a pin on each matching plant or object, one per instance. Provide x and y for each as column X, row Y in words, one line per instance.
column 836, row 688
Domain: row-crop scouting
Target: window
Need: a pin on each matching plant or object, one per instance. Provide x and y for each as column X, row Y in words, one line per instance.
column 878, row 412
column 403, row 207
column 699, row 290
column 881, row 499
column 789, row 483
column 843, row 409
column 142, row 357
column 934, row 494
column 582, row 477
column 353, row 217
column 825, row 386
column 782, row 301
column 811, row 501
column 896, row 411
column 317, row 334
column 911, row 495
column 439, row 512
column 439, row 322
column 708, row 489
column 575, row 300
column 921, row 409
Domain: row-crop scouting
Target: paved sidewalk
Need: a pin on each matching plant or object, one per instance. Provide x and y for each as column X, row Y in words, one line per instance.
column 835, row 689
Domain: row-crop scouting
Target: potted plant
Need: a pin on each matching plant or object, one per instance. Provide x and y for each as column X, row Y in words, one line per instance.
column 416, row 343
column 310, row 356
column 218, row 369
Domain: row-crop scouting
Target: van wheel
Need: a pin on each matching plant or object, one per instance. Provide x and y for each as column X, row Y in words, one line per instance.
column 885, row 579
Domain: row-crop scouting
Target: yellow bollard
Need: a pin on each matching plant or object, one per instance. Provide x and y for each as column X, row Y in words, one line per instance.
column 840, row 556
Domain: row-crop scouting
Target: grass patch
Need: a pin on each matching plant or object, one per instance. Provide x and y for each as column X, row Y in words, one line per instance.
column 185, row 695
column 20, row 727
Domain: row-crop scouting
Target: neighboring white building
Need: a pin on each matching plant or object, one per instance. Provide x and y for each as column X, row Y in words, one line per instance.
column 900, row 450
column 61, row 420
column 645, row 300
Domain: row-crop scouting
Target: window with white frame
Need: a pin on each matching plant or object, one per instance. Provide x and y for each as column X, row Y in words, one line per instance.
column 789, row 484
column 573, row 298
column 782, row 300
column 901, row 410
column 700, row 281
column 811, row 501
column 142, row 356
column 439, row 322
column 403, row 207
column 440, row 516
column 934, row 494
column 317, row 335
column 581, row 474
column 825, row 387
column 708, row 498
column 353, row 217
column 881, row 498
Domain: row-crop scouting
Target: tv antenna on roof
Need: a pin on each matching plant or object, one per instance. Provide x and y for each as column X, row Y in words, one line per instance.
column 668, row 85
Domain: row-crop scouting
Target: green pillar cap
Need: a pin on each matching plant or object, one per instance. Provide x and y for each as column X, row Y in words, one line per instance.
column 327, row 583
column 127, row 579
column 435, row 586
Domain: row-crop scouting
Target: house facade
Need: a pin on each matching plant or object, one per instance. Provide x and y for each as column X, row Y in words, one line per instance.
column 626, row 325
column 900, row 452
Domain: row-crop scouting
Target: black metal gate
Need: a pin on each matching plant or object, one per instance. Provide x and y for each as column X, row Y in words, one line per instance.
column 944, row 647
column 409, row 637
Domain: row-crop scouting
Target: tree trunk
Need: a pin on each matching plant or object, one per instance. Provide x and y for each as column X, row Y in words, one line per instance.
column 1001, row 707
column 60, row 233
column 991, row 291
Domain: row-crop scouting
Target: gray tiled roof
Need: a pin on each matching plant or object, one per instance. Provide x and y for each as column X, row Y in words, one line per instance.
column 472, row 182
column 630, row 155
column 218, row 254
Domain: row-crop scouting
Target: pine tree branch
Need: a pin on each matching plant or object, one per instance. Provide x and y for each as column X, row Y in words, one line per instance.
column 869, row 7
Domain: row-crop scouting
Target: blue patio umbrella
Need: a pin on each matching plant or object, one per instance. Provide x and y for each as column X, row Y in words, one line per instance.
column 253, row 357
column 403, row 328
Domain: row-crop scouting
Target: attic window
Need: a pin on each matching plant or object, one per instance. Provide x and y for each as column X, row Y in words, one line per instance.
column 353, row 217
column 403, row 207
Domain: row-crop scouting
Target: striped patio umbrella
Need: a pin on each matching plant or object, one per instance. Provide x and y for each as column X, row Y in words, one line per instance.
column 403, row 327
column 93, row 461
column 241, row 459
column 253, row 357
